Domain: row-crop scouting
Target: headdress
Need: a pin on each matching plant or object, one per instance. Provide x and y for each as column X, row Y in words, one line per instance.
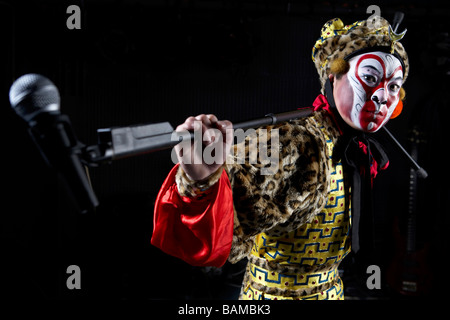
column 339, row 41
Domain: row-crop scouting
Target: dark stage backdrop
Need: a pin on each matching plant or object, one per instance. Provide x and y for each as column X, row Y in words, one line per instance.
column 152, row 61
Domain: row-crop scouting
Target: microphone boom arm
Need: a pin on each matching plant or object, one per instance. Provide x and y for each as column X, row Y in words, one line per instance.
column 122, row 142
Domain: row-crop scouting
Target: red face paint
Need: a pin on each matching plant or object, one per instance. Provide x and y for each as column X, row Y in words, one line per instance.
column 375, row 79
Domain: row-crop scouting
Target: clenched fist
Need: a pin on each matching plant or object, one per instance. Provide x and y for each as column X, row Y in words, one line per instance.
column 206, row 153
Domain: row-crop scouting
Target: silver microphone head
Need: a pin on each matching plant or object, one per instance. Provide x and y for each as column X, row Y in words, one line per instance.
column 32, row 94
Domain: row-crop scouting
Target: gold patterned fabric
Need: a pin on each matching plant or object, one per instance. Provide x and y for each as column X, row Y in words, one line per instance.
column 303, row 264
column 330, row 29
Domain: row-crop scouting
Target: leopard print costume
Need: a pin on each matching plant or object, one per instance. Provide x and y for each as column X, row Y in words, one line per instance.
column 278, row 204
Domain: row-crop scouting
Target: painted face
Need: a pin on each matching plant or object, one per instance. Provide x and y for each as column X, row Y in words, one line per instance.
column 367, row 95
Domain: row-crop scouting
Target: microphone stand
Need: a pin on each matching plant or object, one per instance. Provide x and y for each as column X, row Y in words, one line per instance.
column 122, row 142
column 36, row 100
column 421, row 173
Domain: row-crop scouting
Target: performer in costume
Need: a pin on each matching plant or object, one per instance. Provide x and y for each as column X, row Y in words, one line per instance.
column 296, row 224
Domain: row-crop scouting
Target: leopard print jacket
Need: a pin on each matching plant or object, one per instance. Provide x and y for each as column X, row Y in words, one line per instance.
column 280, row 202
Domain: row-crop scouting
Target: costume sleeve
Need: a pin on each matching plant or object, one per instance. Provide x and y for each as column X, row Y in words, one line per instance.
column 197, row 229
column 290, row 194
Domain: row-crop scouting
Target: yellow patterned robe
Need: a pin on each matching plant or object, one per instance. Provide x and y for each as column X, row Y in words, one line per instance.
column 302, row 263
column 293, row 225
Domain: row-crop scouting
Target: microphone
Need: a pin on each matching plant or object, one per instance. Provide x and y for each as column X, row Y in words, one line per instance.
column 36, row 100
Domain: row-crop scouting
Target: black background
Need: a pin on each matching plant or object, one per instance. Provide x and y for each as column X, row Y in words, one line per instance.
column 152, row 61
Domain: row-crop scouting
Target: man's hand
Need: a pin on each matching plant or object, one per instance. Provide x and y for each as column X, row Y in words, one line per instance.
column 216, row 135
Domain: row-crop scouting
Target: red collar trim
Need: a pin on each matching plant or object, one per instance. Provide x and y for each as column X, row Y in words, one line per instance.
column 321, row 103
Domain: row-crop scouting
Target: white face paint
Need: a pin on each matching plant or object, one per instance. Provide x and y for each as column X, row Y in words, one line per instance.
column 375, row 79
